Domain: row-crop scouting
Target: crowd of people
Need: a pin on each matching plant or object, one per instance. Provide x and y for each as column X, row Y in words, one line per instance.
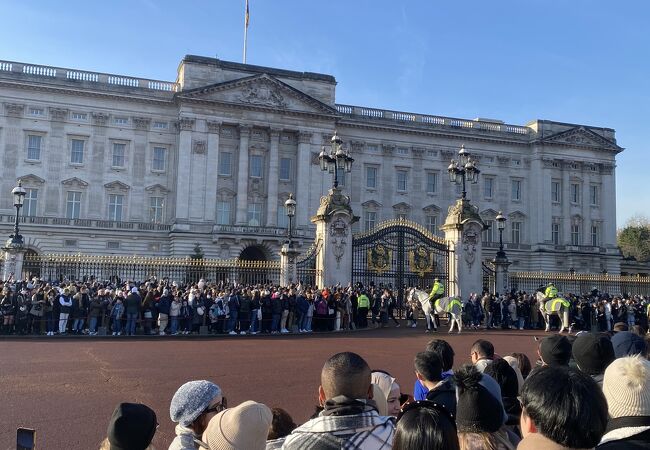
column 583, row 392
column 161, row 307
column 168, row 308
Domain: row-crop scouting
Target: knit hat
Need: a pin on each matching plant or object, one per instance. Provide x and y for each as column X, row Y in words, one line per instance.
column 626, row 386
column 627, row 343
column 244, row 427
column 477, row 410
column 191, row 399
column 593, row 353
column 132, row 427
column 505, row 375
column 555, row 350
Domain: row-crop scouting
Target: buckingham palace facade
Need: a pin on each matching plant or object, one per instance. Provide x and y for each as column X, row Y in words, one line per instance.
column 114, row 164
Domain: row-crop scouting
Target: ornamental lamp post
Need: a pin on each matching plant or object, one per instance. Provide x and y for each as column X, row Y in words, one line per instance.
column 464, row 170
column 290, row 206
column 501, row 225
column 337, row 159
column 19, row 198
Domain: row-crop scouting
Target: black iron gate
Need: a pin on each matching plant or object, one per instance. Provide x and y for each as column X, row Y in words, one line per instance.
column 399, row 254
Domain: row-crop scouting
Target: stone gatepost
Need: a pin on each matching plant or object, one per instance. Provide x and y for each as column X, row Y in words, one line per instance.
column 13, row 264
column 463, row 232
column 501, row 279
column 288, row 269
column 333, row 222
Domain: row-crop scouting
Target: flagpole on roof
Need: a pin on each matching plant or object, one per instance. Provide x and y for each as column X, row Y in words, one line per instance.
column 246, row 18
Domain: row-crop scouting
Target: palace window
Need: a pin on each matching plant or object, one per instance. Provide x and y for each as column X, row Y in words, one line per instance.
column 432, row 182
column 371, row 177
column 370, row 220
column 31, row 199
column 488, row 187
column 225, row 164
column 402, row 176
column 595, row 235
column 515, row 190
column 77, row 151
column 556, row 192
column 159, row 158
column 115, row 207
column 156, row 209
column 223, row 213
column 488, row 234
column 73, row 205
column 118, row 154
column 432, row 224
column 555, row 233
column 283, row 219
column 594, row 195
column 575, row 193
column 34, row 144
column 285, row 169
column 160, row 125
column 515, row 229
column 256, row 166
column 254, row 214
column 575, row 234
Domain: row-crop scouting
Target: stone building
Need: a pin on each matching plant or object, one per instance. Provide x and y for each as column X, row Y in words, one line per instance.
column 119, row 165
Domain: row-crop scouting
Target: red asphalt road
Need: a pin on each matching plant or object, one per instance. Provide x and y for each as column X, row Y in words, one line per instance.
column 67, row 388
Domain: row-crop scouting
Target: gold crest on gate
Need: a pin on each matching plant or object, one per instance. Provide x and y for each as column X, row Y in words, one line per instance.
column 421, row 261
column 379, row 258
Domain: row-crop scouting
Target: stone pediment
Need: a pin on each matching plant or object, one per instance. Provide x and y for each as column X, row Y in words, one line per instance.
column 402, row 207
column 74, row 181
column 582, row 137
column 517, row 215
column 489, row 213
column 259, row 91
column 31, row 179
column 371, row 204
column 117, row 186
column 431, row 209
column 159, row 188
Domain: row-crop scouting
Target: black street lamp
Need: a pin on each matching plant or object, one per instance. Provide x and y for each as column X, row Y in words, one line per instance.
column 337, row 159
column 501, row 225
column 290, row 206
column 463, row 170
column 19, row 198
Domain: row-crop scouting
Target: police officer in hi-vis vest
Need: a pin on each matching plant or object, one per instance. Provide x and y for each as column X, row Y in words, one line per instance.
column 437, row 291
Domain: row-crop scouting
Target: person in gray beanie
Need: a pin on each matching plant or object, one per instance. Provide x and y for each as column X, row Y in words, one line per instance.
column 192, row 407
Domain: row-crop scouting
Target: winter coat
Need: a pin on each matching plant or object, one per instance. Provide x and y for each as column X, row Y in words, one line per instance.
column 164, row 304
column 445, row 394
column 96, row 307
column 302, row 305
column 276, row 305
column 626, row 433
column 245, row 305
column 132, row 304
column 174, row 309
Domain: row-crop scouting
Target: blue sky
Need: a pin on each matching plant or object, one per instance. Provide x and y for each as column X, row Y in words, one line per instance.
column 577, row 61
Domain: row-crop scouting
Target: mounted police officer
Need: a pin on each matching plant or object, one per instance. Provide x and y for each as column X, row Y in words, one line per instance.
column 437, row 291
column 551, row 292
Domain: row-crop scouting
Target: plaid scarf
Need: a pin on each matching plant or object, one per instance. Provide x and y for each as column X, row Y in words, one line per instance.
column 344, row 424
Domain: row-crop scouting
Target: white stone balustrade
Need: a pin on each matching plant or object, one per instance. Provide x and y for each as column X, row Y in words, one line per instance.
column 372, row 113
column 11, row 67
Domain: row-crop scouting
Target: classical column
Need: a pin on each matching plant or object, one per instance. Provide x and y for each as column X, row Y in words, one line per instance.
column 212, row 169
column 242, row 176
column 302, row 181
column 272, row 193
column 13, row 261
column 566, row 203
column 183, row 168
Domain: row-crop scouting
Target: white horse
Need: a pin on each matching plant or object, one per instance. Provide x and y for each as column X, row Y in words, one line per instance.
column 451, row 305
column 553, row 307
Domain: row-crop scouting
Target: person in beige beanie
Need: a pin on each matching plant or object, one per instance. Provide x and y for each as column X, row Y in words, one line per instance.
column 244, row 427
column 626, row 386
